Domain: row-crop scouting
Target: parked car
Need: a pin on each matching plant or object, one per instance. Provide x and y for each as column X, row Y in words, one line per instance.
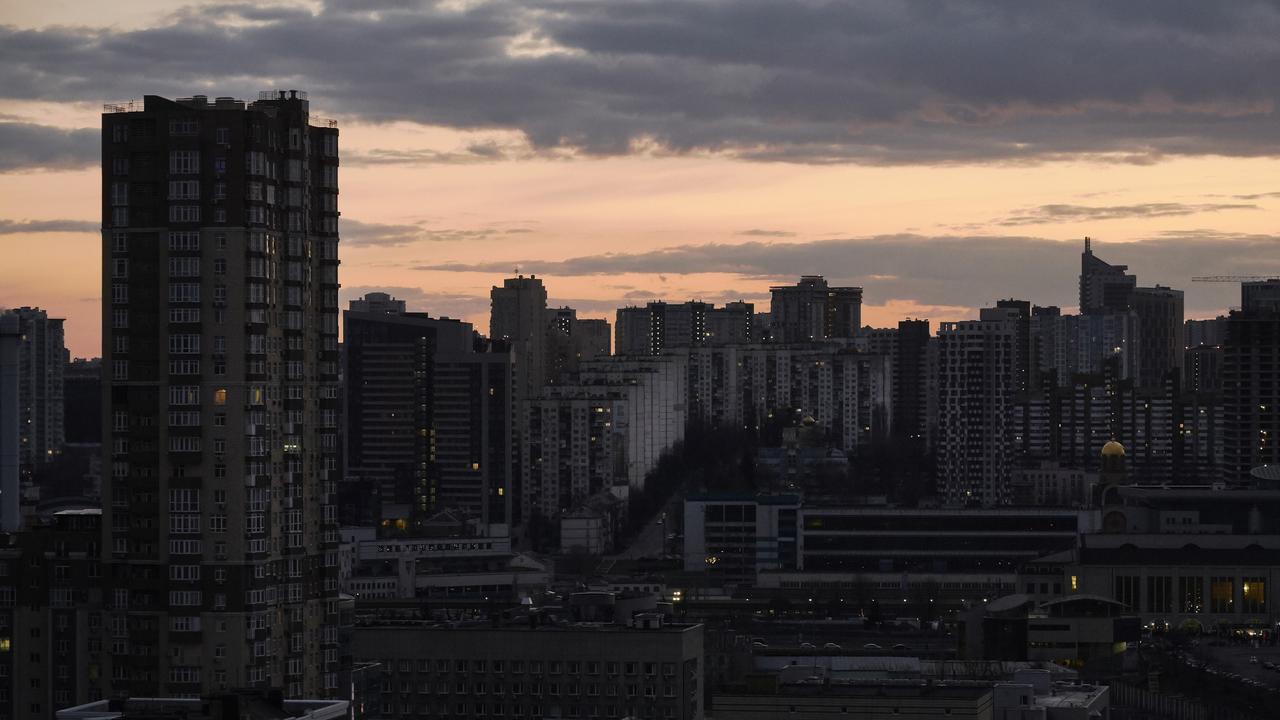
column 832, row 646
column 871, row 646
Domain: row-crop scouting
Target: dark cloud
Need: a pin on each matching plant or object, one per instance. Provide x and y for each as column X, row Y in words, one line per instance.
column 364, row 234
column 965, row 271
column 874, row 82
column 1257, row 196
column 1061, row 213
column 23, row 227
column 28, row 146
column 355, row 232
column 757, row 232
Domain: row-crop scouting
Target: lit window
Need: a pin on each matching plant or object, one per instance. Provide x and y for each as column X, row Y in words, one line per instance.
column 220, row 396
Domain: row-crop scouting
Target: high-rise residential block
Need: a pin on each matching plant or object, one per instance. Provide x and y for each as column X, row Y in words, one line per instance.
column 10, row 427
column 41, row 357
column 428, row 415
column 571, row 340
column 1161, row 333
column 1251, row 382
column 220, row 337
column 978, row 386
column 518, row 315
column 811, row 311
column 660, row 326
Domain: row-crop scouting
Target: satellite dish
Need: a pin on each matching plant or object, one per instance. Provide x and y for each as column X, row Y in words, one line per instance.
column 1270, row 473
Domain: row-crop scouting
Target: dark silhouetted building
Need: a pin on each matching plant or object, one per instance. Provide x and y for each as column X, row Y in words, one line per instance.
column 220, row 339
column 811, row 311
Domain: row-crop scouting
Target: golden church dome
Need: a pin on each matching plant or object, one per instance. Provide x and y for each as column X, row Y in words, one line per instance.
column 1112, row 449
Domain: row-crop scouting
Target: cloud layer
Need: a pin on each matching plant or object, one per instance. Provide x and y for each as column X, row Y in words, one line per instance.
column 16, row 227
column 945, row 270
column 882, row 81
column 27, row 145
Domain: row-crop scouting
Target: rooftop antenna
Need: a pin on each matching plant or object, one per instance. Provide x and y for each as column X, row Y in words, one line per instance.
column 1086, row 244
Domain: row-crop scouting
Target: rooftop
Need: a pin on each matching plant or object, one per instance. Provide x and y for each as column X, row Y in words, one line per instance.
column 245, row 707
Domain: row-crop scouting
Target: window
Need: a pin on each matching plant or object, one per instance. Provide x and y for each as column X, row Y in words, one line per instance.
column 220, row 266
column 184, row 213
column 184, row 394
column 184, row 598
column 120, row 132
column 120, row 268
column 184, row 292
column 184, row 162
column 1191, row 594
column 119, row 242
column 120, row 216
column 184, row 315
column 184, row 189
column 1253, row 595
column 184, row 344
column 184, row 126
column 185, row 241
column 1159, row 593
column 222, row 136
column 1127, row 590
column 119, row 294
column 1222, row 591
column 119, row 319
column 119, row 193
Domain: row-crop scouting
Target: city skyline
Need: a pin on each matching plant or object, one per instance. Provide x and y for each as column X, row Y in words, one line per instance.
column 453, row 180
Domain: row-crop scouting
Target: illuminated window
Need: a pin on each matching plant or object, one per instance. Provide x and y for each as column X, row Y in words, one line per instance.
column 1075, row 584
column 1222, row 592
column 220, row 396
column 1254, row 595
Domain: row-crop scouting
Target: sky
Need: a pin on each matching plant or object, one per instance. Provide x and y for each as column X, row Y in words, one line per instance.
column 941, row 155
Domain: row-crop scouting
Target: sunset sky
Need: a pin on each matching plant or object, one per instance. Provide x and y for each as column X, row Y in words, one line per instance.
column 942, row 155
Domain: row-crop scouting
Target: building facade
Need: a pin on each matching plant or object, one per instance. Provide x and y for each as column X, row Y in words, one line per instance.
column 42, row 358
column 977, row 385
column 539, row 669
column 517, row 315
column 811, row 311
column 1250, row 385
column 220, row 334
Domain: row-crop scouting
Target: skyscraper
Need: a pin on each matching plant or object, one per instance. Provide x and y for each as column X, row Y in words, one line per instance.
column 1251, row 382
column 977, row 384
column 10, row 513
column 42, row 357
column 1161, row 333
column 220, row 334
column 811, row 311
column 517, row 314
column 1107, row 289
column 429, row 416
column 1103, row 287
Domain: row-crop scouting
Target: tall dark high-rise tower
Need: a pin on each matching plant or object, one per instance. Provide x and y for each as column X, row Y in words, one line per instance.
column 1104, row 287
column 1251, row 382
column 428, row 417
column 220, row 339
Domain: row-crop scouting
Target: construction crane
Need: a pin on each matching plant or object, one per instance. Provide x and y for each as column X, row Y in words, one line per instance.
column 1235, row 278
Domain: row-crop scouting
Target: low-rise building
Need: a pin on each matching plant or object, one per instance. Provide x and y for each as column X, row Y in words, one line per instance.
column 256, row 706
column 538, row 666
